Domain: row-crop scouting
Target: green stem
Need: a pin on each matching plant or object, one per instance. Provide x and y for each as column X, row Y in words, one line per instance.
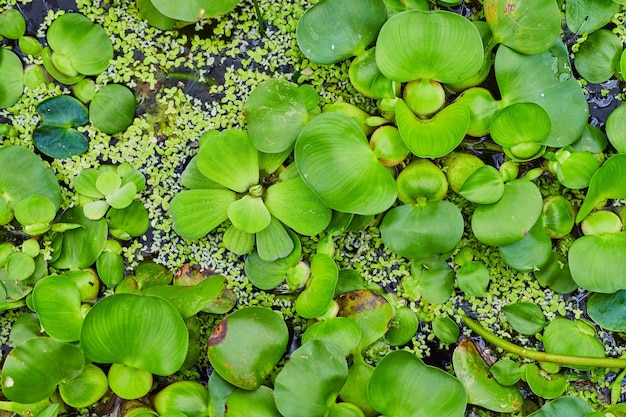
column 543, row 356
column 259, row 17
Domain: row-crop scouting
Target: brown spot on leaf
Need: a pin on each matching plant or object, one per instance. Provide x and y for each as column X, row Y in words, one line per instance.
column 510, row 7
column 219, row 333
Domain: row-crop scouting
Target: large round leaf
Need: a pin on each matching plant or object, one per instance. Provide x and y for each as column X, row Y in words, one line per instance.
column 34, row 368
column 275, row 113
column 193, row 10
column 589, row 15
column 230, row 159
column 434, row 137
column 545, row 79
column 12, row 81
column 56, row 300
column 418, row 231
column 139, row 331
column 246, row 345
column 197, row 212
column 333, row 30
column 440, row 45
column 335, row 160
column 597, row 262
column 370, row 310
column 293, row 203
column 528, row 26
column 24, row 174
column 509, row 219
column 400, row 378
column 310, row 382
column 85, row 44
column 112, row 109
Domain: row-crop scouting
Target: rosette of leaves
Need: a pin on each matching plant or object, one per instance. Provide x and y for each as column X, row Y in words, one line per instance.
column 108, row 187
column 231, row 180
column 76, row 47
column 166, row 15
column 447, row 48
column 426, row 224
column 140, row 335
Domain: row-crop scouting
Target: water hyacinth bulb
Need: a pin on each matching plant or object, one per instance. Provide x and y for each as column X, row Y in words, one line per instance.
column 424, row 97
column 420, row 182
column 388, row 145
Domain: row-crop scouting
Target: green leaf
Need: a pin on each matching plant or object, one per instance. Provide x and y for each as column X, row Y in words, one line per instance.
column 230, row 159
column 246, row 345
column 370, row 310
column 482, row 389
column 110, row 267
column 257, row 403
column 545, row 79
column 12, row 24
column 57, row 302
column 188, row 397
column 598, row 57
column 359, row 183
column 332, row 31
column 434, row 137
column 418, row 231
column 526, row 318
column 400, row 378
column 85, row 44
column 564, row 406
column 80, row 247
column 314, row 300
column 483, row 186
column 431, row 279
column 293, row 203
column 572, row 337
column 509, row 219
column 597, row 263
column 528, row 26
column 557, row 216
column 12, row 83
column 445, row 329
column 403, row 327
column 19, row 266
column 267, row 275
column 520, row 123
column 275, row 113
column 112, row 109
column 129, row 222
column 615, row 128
column 532, row 252
column 341, row 333
column 542, row 384
column 34, row 368
column 194, row 10
column 56, row 136
column 249, row 214
column 367, row 79
column 85, row 389
column 195, row 213
column 274, row 241
column 444, row 46
column 506, row 371
column 473, row 278
column 608, row 310
column 589, row 15
column 190, row 299
column 607, row 182
column 144, row 332
column 35, row 210
column 309, row 383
